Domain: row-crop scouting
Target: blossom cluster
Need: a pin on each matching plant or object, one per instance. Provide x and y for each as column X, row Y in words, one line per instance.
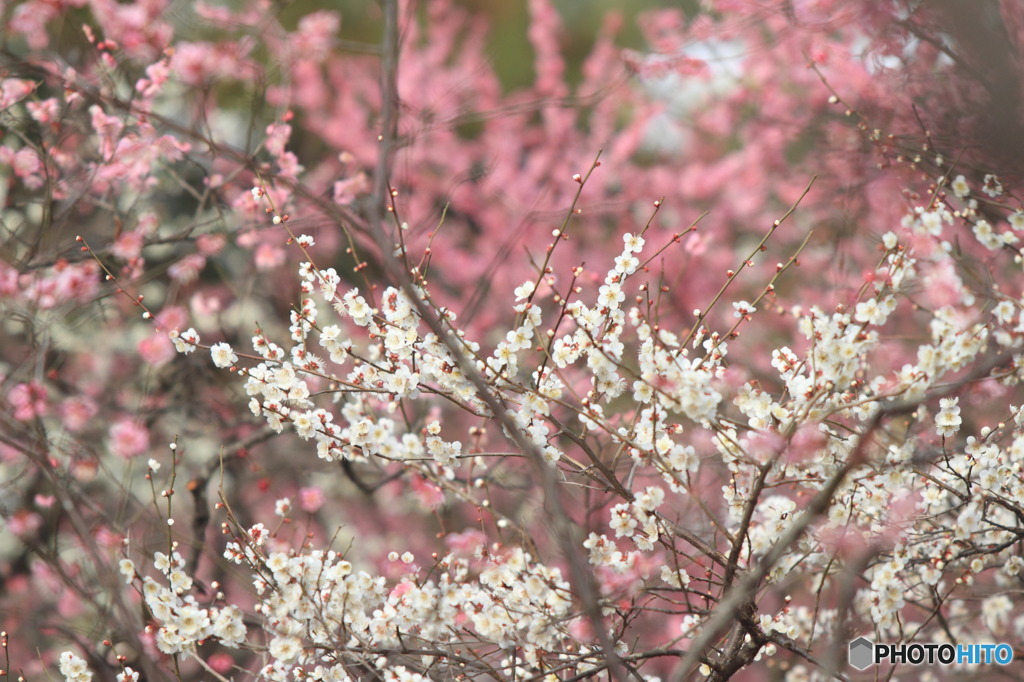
column 819, row 425
column 323, row 615
column 636, row 450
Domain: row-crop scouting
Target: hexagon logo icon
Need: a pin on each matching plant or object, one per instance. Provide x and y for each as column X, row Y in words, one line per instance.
column 862, row 653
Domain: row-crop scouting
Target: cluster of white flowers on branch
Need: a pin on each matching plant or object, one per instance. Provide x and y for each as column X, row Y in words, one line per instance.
column 606, row 398
column 326, row 617
column 437, row 460
column 315, row 601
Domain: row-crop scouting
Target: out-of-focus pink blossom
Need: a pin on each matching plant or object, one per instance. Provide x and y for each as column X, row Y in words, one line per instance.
column 401, row 588
column 346, row 191
column 210, row 244
column 172, row 317
column 221, row 662
column 28, row 167
column 316, row 33
column 187, row 269
column 29, row 401
column 24, row 522
column 429, row 494
column 195, row 63
column 466, row 543
column 30, row 19
column 76, row 412
column 268, row 256
column 128, row 245
column 156, row 349
column 75, row 282
column 203, row 304
column 138, row 27
column 107, row 538
column 277, row 138
column 311, row 498
column 128, row 438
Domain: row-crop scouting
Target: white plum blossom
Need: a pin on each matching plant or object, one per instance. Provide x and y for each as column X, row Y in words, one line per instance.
column 960, row 186
column 524, row 290
column 742, row 309
column 74, row 668
column 285, row 648
column 185, row 342
column 1016, row 220
column 222, row 355
column 610, row 295
column 633, row 242
column 626, row 264
column 676, row 578
column 992, row 186
column 995, row 611
column 126, row 567
column 623, row 521
column 948, row 420
column 127, row 675
column 283, row 506
column 873, row 311
column 985, row 234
